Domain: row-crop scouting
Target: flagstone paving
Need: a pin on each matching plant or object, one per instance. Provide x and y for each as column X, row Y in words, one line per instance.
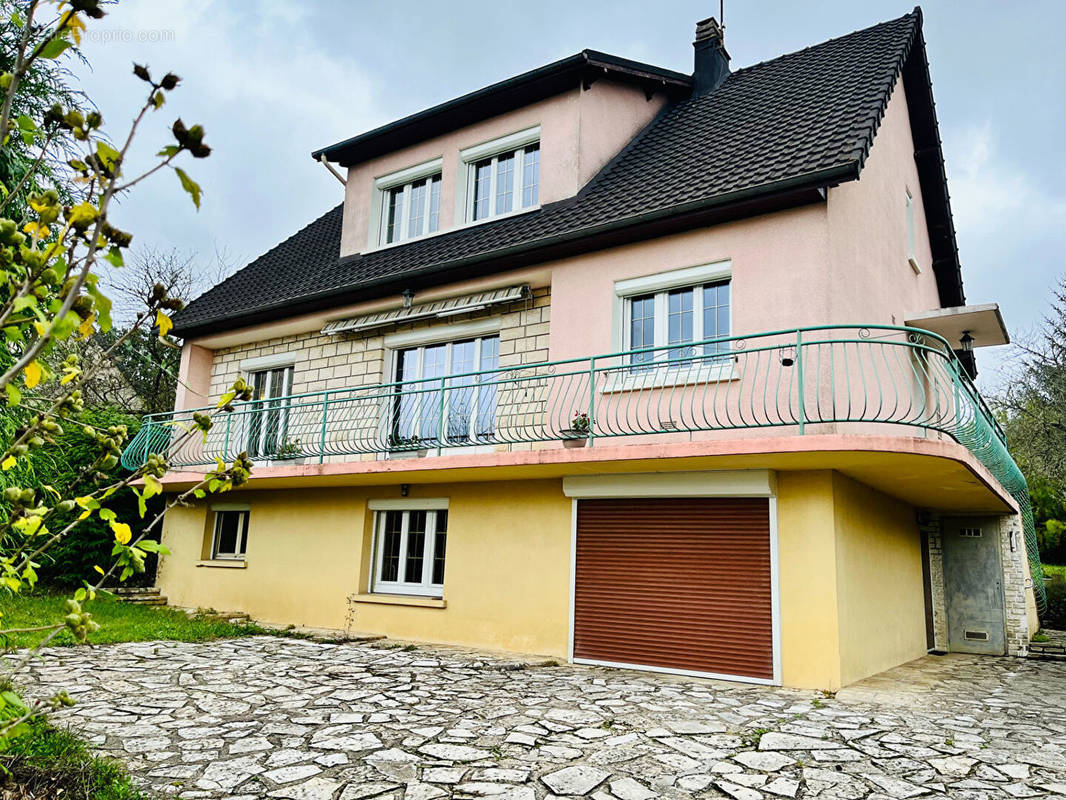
column 283, row 718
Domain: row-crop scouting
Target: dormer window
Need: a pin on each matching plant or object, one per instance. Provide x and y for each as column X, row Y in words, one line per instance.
column 408, row 203
column 502, row 176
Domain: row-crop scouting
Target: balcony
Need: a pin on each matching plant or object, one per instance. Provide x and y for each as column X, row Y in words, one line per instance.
column 805, row 379
column 869, row 379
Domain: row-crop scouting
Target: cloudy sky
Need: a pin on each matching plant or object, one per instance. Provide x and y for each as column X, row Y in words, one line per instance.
column 271, row 81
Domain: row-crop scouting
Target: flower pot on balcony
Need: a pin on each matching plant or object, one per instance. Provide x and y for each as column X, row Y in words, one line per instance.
column 420, row 453
column 574, row 438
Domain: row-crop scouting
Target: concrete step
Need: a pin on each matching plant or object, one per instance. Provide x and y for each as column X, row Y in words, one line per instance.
column 146, row 600
column 134, row 591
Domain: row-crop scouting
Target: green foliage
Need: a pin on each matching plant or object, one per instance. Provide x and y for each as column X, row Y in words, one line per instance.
column 71, row 560
column 49, row 762
column 1049, row 513
column 119, row 621
column 1055, row 581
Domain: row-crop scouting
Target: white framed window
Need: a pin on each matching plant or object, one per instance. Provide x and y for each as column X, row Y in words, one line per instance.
column 446, row 392
column 407, row 204
column 912, row 256
column 671, row 320
column 229, row 540
column 410, row 545
column 502, row 176
column 267, row 413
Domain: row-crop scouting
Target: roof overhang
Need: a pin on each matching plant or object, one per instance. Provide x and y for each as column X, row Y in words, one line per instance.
column 982, row 322
column 529, row 87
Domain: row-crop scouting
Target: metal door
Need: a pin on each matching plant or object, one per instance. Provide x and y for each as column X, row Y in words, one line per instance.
column 973, row 585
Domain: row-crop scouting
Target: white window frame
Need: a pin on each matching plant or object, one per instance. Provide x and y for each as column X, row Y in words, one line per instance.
column 660, row 285
column 242, row 532
column 512, row 143
column 407, row 178
column 426, row 587
column 912, row 235
column 285, row 362
column 419, row 341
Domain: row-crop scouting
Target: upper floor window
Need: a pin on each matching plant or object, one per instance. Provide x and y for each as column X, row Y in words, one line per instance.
column 912, row 232
column 267, row 415
column 503, row 176
column 408, row 203
column 664, row 315
column 446, row 392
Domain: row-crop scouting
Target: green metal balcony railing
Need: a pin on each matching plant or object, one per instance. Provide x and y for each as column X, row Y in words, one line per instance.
column 874, row 376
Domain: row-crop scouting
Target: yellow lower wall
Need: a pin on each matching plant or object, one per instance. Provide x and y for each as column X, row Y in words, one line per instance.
column 507, row 577
column 851, row 597
column 880, row 598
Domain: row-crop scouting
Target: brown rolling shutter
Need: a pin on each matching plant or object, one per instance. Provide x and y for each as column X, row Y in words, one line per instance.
column 682, row 584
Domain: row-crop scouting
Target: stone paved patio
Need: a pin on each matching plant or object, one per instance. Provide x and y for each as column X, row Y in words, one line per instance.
column 282, row 718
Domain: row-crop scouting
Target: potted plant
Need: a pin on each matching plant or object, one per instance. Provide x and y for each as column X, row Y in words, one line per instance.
column 578, row 432
column 290, row 452
column 407, row 446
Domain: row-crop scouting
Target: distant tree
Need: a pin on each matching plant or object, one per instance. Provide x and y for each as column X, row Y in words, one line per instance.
column 1033, row 405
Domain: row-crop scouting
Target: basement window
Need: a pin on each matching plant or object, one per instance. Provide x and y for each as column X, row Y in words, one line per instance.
column 230, row 538
column 410, row 546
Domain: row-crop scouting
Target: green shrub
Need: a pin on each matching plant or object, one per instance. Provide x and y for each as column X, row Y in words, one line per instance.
column 72, row 559
column 1055, row 583
column 48, row 762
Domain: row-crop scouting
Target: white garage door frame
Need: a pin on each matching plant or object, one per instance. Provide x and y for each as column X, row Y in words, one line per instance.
column 680, row 485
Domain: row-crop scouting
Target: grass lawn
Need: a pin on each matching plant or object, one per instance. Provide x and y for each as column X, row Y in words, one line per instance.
column 119, row 621
column 49, row 762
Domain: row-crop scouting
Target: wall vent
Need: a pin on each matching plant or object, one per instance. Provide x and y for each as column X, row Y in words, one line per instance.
column 970, row 533
column 979, row 636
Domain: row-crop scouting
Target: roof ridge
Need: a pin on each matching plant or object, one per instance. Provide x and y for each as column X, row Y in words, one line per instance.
column 914, row 16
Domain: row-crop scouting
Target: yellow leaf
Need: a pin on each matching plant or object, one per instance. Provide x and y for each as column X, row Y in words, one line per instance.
column 164, row 323
column 98, row 569
column 9, row 462
column 40, row 327
column 33, row 374
column 86, row 330
column 123, row 534
column 152, row 486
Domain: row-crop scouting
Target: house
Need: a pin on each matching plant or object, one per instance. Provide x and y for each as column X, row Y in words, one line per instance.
column 620, row 365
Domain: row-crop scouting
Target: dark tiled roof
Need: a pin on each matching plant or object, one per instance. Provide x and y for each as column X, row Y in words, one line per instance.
column 807, row 118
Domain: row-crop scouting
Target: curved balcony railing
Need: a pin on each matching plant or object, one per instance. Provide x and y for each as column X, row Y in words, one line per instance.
column 872, row 377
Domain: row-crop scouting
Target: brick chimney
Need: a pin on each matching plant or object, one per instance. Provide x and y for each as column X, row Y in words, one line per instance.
column 712, row 60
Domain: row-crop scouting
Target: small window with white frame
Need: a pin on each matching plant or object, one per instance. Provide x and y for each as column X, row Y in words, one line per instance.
column 502, row 176
column 912, row 232
column 410, row 546
column 664, row 325
column 229, row 540
column 408, row 203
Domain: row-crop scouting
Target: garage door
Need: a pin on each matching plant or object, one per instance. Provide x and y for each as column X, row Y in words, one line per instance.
column 676, row 584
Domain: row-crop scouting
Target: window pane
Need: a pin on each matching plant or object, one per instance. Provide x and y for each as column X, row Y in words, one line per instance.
column 482, row 187
column 642, row 327
column 429, row 394
column 679, row 321
column 227, row 532
column 417, row 211
column 243, row 532
column 716, row 316
column 460, row 400
column 439, row 547
column 434, row 205
column 530, row 175
column 395, row 215
column 390, row 545
column 416, row 546
column 486, row 398
column 504, row 183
